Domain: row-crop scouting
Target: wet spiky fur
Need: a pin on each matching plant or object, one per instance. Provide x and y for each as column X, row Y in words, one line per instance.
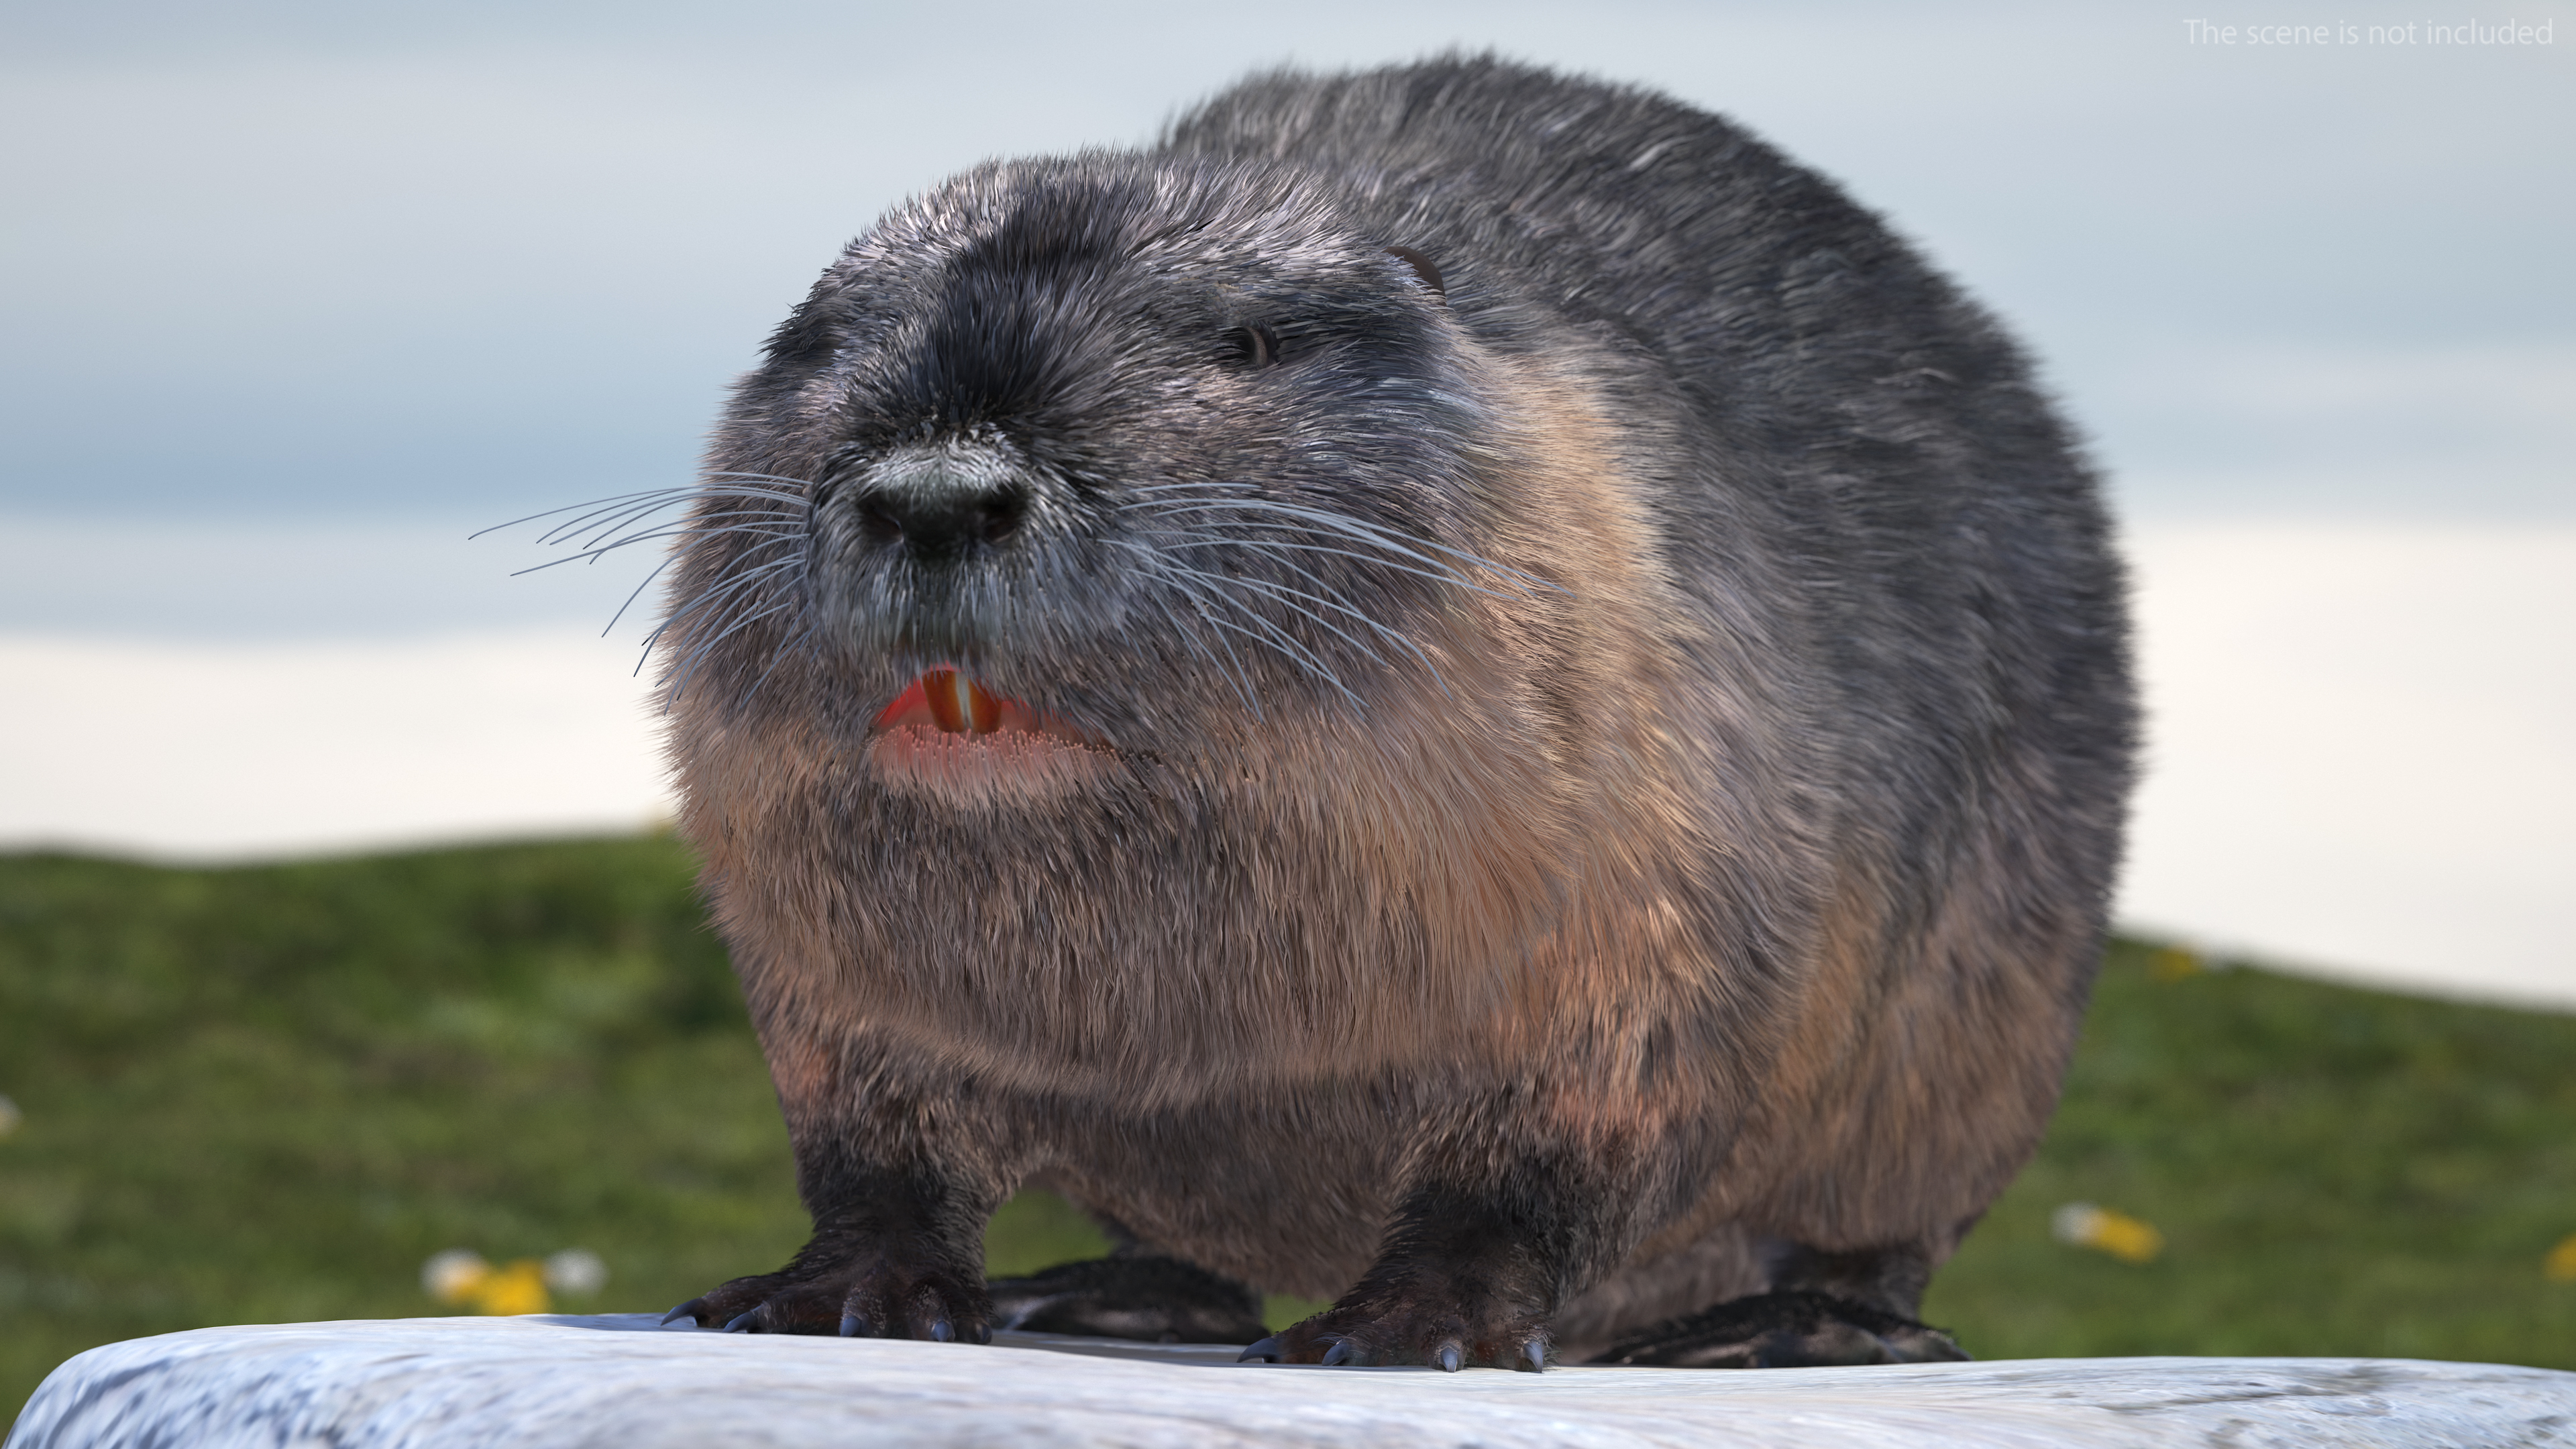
column 1607, row 739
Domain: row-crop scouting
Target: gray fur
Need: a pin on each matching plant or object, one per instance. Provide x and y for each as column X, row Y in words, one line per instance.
column 1606, row 737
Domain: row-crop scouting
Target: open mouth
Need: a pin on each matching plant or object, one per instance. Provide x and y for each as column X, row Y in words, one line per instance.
column 947, row 701
column 952, row 738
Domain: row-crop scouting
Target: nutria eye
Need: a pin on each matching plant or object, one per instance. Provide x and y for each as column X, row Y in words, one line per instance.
column 1422, row 268
column 1254, row 346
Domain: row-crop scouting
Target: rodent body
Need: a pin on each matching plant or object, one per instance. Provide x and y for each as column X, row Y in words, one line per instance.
column 1539, row 728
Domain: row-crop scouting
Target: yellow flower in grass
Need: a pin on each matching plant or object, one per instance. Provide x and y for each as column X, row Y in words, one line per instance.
column 2560, row 1265
column 460, row 1275
column 518, row 1288
column 2173, row 963
column 2123, row 1237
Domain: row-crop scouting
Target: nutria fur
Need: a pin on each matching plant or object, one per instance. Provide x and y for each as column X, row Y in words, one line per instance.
column 1556, row 724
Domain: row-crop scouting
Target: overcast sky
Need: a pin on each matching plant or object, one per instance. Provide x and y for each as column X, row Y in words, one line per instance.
column 378, row 273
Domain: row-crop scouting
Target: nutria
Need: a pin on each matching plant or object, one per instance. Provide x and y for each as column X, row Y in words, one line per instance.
column 1456, row 690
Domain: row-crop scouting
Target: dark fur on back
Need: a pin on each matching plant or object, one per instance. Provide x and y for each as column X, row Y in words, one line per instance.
column 1602, row 709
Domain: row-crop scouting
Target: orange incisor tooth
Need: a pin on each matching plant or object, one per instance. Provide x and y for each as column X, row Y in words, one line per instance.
column 959, row 704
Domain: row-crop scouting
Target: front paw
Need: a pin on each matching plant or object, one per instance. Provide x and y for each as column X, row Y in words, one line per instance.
column 875, row 1297
column 1402, row 1328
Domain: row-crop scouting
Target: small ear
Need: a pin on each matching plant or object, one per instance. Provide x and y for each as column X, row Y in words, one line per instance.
column 1422, row 268
column 803, row 338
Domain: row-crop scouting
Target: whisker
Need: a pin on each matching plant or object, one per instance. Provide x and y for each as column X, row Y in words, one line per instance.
column 777, row 657
column 1358, row 530
column 1446, row 577
column 602, row 522
column 793, row 492
column 688, row 666
column 593, row 555
column 1278, row 640
column 717, row 593
column 721, row 590
column 1279, row 643
column 638, row 518
column 763, row 510
column 639, row 593
column 607, row 523
column 1393, row 636
column 1282, row 591
column 1242, row 689
column 1238, row 676
column 1300, row 611
column 647, row 499
column 757, row 483
column 617, row 518
column 569, row 507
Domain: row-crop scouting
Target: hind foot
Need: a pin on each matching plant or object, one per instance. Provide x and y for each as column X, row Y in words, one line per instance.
column 1785, row 1330
column 1428, row 1322
column 1145, row 1297
column 875, row 1301
column 859, row 1277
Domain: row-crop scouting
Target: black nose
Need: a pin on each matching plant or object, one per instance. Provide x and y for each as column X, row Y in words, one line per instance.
column 942, row 526
column 941, row 505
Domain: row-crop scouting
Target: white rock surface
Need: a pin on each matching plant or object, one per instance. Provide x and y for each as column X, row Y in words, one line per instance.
column 614, row 1381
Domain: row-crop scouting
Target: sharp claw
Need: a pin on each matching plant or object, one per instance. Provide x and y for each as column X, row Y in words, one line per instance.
column 1266, row 1350
column 688, row 1310
column 941, row 1331
column 1533, row 1357
column 852, row 1325
column 1339, row 1353
column 742, row 1322
column 1448, row 1358
column 983, row 1333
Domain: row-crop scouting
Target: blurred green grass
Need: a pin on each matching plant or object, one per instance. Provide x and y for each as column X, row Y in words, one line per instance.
column 268, row 1093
